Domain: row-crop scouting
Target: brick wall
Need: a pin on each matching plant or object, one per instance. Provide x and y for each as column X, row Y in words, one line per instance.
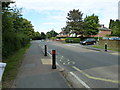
column 112, row 44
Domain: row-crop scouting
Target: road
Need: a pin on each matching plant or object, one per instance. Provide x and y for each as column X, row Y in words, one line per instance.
column 96, row 69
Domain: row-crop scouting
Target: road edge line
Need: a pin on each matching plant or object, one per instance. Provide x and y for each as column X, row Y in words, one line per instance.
column 82, row 82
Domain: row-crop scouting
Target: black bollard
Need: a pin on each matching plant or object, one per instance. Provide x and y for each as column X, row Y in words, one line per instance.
column 106, row 47
column 45, row 50
column 53, row 59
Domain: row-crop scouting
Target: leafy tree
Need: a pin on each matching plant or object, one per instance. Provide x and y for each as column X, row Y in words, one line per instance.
column 51, row 33
column 43, row 36
column 115, row 26
column 66, row 29
column 91, row 24
column 75, row 22
column 48, row 35
column 37, row 36
column 16, row 30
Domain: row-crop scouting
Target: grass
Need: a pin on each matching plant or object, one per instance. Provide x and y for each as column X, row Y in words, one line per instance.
column 13, row 64
column 96, row 46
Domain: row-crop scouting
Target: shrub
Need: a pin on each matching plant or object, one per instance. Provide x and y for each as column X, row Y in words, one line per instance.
column 12, row 42
column 72, row 40
column 53, row 38
column 76, row 40
column 68, row 40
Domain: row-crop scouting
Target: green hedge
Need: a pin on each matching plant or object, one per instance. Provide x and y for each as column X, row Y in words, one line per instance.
column 83, row 38
column 12, row 42
column 72, row 40
column 53, row 38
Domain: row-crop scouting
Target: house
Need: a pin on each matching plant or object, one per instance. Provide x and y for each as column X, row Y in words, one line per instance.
column 62, row 34
column 103, row 31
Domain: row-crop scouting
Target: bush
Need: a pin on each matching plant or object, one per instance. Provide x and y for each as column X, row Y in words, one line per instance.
column 68, row 40
column 12, row 42
column 76, row 40
column 53, row 38
column 72, row 40
column 100, row 38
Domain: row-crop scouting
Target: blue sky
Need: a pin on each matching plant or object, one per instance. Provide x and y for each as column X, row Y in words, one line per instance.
column 46, row 15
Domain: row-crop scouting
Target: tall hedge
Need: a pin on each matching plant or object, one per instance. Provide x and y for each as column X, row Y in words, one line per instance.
column 16, row 30
column 72, row 40
column 13, row 42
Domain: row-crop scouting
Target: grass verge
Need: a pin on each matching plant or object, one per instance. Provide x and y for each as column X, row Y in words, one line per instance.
column 96, row 46
column 13, row 64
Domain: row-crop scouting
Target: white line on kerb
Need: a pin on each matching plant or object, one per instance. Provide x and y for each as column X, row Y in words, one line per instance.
column 83, row 83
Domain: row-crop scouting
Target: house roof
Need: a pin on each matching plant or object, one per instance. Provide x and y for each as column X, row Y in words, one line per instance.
column 104, row 29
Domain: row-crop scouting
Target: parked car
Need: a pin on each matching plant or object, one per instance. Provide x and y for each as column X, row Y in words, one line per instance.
column 114, row 38
column 105, row 38
column 88, row 41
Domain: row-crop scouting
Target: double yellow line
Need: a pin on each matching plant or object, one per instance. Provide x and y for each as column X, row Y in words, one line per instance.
column 95, row 78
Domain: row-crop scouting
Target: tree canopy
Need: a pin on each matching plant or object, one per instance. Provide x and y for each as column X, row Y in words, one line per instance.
column 76, row 24
column 91, row 24
column 114, row 25
column 51, row 33
column 16, row 30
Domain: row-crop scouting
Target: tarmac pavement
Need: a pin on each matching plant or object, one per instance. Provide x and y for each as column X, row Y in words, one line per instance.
column 36, row 71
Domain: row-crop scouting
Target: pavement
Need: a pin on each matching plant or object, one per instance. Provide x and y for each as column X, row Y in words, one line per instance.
column 36, row 71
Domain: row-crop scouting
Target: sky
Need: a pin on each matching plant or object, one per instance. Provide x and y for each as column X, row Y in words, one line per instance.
column 47, row 15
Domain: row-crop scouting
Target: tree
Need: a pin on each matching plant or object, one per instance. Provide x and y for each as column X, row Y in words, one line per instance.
column 66, row 29
column 48, row 35
column 115, row 26
column 43, row 36
column 37, row 36
column 51, row 33
column 91, row 24
column 16, row 30
column 75, row 22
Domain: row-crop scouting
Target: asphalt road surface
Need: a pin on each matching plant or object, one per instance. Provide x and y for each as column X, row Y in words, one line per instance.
column 96, row 69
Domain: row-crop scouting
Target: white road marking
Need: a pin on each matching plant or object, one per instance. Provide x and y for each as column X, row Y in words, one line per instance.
column 60, row 60
column 73, row 62
column 63, row 63
column 83, row 83
column 68, row 62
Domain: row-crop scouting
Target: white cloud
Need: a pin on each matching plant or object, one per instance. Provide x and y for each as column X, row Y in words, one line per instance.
column 105, row 9
column 49, row 23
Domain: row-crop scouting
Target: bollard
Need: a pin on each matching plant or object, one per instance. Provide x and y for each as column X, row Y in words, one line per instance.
column 53, row 59
column 106, row 47
column 45, row 50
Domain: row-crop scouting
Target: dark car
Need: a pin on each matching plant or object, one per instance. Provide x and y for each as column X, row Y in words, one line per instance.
column 88, row 41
